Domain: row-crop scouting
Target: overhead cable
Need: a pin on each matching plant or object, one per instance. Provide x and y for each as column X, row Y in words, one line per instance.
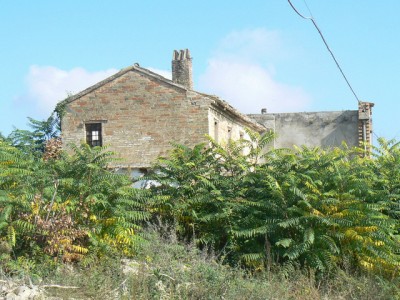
column 326, row 44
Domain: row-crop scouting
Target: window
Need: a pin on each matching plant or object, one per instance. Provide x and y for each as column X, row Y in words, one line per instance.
column 216, row 130
column 93, row 134
column 229, row 133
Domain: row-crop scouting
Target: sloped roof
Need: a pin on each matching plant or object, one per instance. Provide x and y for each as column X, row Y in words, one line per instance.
column 226, row 107
column 134, row 67
column 215, row 101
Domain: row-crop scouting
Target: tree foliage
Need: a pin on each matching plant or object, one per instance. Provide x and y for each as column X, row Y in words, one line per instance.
column 322, row 209
column 255, row 206
column 34, row 141
column 68, row 206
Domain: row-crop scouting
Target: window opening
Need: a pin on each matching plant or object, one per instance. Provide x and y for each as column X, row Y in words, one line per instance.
column 93, row 134
column 216, row 129
column 229, row 133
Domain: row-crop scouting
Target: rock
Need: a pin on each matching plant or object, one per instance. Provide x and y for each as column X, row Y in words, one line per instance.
column 23, row 292
column 3, row 289
column 11, row 296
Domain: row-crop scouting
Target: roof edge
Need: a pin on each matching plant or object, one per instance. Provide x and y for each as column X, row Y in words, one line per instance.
column 216, row 101
column 123, row 71
column 224, row 105
column 302, row 112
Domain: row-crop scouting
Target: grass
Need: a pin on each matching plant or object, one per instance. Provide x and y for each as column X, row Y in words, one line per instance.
column 165, row 268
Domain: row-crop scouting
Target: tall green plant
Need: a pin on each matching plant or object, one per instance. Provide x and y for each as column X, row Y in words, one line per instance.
column 385, row 176
column 306, row 206
column 66, row 206
column 325, row 223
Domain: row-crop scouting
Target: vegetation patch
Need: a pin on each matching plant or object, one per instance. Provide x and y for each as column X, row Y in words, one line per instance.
column 245, row 220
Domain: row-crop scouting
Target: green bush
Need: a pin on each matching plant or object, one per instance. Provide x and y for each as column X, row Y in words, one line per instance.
column 66, row 206
column 321, row 209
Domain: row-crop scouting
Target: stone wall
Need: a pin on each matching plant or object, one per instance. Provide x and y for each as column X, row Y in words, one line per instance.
column 223, row 128
column 324, row 129
column 140, row 117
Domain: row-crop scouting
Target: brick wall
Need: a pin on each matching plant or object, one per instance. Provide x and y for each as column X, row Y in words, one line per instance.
column 365, row 125
column 140, row 116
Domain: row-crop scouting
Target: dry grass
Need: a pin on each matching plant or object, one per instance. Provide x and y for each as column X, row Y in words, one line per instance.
column 167, row 269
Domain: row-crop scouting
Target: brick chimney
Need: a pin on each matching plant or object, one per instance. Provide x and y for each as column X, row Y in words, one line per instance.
column 182, row 68
column 365, row 125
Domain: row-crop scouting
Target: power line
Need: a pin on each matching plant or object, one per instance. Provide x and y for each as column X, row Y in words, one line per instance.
column 326, row 44
column 305, row 3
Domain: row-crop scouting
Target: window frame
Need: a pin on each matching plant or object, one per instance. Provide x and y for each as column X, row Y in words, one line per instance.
column 94, row 134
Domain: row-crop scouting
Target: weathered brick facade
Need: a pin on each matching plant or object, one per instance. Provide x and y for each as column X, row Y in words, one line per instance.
column 141, row 113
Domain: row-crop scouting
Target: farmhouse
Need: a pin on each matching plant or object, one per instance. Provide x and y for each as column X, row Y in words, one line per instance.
column 139, row 113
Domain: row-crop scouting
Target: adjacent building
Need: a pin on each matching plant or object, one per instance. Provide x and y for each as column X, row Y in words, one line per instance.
column 322, row 129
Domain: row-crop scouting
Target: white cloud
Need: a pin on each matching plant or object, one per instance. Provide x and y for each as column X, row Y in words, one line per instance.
column 250, row 87
column 242, row 73
column 164, row 73
column 48, row 85
column 250, row 45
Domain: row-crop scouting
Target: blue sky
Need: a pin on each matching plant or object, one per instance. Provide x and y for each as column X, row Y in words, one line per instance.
column 253, row 54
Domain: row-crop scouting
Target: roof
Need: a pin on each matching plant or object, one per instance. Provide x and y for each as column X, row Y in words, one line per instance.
column 134, row 67
column 225, row 106
column 215, row 101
